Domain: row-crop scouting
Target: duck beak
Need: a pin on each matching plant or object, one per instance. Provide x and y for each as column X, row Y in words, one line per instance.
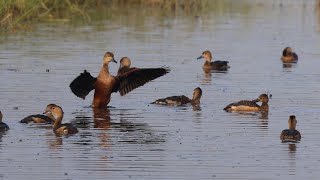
column 200, row 57
column 256, row 100
column 114, row 60
column 47, row 112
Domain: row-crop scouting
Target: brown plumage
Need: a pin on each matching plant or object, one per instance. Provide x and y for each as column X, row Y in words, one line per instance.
column 39, row 118
column 58, row 128
column 288, row 56
column 180, row 100
column 105, row 83
column 246, row 105
column 3, row 126
column 291, row 134
column 124, row 67
column 215, row 65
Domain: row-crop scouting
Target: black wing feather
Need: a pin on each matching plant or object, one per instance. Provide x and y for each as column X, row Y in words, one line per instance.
column 136, row 77
column 30, row 118
column 83, row 84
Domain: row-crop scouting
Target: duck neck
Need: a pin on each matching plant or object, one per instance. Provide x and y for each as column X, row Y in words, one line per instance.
column 196, row 101
column 292, row 126
column 105, row 68
column 264, row 106
column 57, row 122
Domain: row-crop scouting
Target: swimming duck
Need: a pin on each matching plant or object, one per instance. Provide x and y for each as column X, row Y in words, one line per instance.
column 39, row 118
column 105, row 83
column 246, row 105
column 291, row 134
column 180, row 100
column 3, row 126
column 215, row 65
column 61, row 129
column 288, row 56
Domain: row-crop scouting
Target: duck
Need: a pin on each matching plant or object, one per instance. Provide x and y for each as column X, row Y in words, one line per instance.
column 3, row 126
column 39, row 118
column 291, row 134
column 246, row 105
column 288, row 56
column 124, row 67
column 215, row 65
column 105, row 84
column 181, row 100
column 58, row 128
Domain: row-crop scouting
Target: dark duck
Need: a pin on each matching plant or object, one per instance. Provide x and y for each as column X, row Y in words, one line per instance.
column 215, row 65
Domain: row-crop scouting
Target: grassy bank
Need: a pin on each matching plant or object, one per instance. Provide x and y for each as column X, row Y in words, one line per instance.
column 16, row 14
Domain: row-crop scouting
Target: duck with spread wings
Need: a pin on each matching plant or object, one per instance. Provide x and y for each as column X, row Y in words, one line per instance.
column 105, row 84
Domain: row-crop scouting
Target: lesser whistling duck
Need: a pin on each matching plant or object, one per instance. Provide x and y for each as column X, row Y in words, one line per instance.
column 288, row 56
column 124, row 67
column 61, row 129
column 291, row 134
column 3, row 126
column 105, row 83
column 39, row 118
column 180, row 100
column 215, row 65
column 246, row 105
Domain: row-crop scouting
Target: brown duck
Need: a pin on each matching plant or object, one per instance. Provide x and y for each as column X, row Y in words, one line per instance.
column 39, row 118
column 105, row 84
column 288, row 56
column 3, row 126
column 180, row 100
column 246, row 105
column 291, row 134
column 58, row 128
column 215, row 65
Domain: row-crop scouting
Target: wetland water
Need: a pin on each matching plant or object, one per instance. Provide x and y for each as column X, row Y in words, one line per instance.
column 133, row 139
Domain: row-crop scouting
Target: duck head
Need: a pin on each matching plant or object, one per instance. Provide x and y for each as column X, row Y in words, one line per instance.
column 125, row 62
column 206, row 55
column 262, row 98
column 108, row 57
column 197, row 93
column 292, row 122
column 287, row 51
column 55, row 111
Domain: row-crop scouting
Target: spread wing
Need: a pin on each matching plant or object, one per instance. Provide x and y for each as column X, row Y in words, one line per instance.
column 137, row 77
column 83, row 84
column 123, row 70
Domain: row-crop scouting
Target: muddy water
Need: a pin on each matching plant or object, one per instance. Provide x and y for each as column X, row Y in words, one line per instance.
column 133, row 139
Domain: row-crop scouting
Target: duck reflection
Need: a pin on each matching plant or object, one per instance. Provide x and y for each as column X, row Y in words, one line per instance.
column 101, row 118
column 288, row 66
column 55, row 142
column 292, row 158
column 207, row 76
column 136, row 133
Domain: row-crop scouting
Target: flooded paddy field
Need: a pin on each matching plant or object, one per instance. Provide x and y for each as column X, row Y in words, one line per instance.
column 135, row 139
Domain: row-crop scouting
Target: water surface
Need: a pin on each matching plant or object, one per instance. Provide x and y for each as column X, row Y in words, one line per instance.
column 133, row 139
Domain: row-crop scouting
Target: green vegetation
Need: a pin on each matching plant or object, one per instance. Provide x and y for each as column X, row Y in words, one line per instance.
column 15, row 13
column 23, row 14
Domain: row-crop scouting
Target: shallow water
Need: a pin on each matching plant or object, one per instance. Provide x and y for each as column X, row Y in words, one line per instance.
column 133, row 139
